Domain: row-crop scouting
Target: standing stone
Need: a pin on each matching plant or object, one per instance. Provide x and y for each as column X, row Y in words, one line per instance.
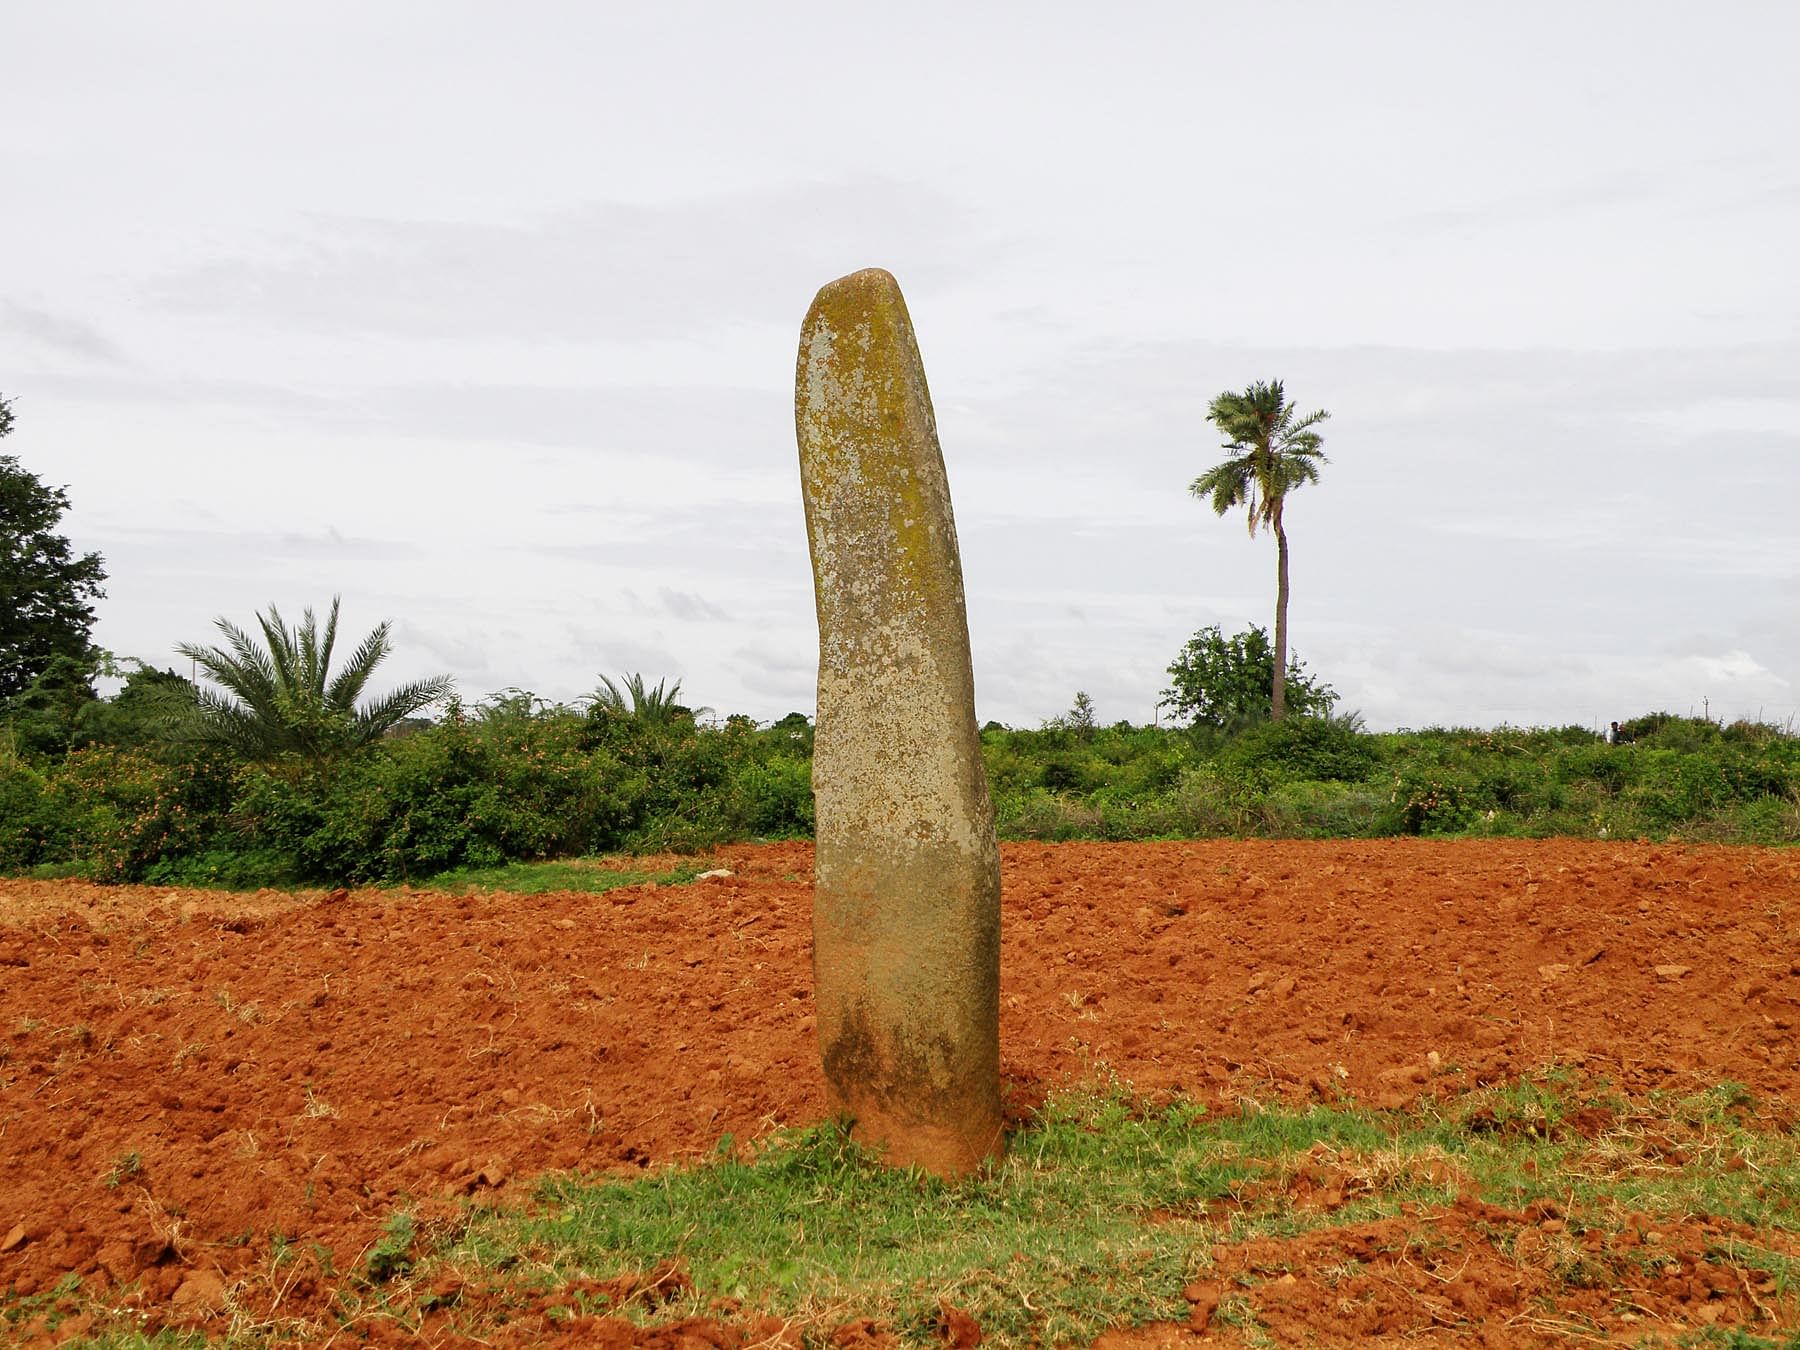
column 906, row 911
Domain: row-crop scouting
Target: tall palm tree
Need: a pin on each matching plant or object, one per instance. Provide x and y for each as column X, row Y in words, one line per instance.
column 281, row 700
column 1274, row 451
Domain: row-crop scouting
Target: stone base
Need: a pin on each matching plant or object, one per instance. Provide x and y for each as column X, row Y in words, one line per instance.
column 943, row 1150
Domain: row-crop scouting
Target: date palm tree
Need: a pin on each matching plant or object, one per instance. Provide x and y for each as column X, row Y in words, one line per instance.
column 280, row 699
column 632, row 700
column 1273, row 452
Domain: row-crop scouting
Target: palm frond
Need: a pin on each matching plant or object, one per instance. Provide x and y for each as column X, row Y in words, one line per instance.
column 319, row 651
column 659, row 702
column 1289, row 474
column 244, row 670
column 381, row 716
column 609, row 696
column 283, row 649
column 1227, row 485
column 306, row 655
column 216, row 720
column 351, row 680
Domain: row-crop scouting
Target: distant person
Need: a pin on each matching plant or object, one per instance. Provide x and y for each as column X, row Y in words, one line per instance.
column 1612, row 734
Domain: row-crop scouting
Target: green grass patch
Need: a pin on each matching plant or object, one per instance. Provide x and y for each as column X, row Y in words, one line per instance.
column 80, row 870
column 592, row 875
column 1104, row 1208
column 1602, row 1156
column 16, row 1312
column 1056, row 1243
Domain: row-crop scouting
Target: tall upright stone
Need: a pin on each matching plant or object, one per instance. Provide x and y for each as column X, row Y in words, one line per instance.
column 906, row 911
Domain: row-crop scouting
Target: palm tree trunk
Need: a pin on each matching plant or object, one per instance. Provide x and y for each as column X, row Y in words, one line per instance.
column 1278, row 691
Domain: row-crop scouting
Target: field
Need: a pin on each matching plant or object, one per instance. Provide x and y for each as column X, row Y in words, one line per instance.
column 1500, row 1092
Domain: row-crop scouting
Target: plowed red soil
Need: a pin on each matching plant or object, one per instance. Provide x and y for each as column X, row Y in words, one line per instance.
column 185, row 1075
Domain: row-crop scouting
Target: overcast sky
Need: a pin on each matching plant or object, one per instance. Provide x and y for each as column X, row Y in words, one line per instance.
column 484, row 317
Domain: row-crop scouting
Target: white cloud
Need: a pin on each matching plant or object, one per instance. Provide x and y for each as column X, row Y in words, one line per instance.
column 62, row 334
column 601, row 271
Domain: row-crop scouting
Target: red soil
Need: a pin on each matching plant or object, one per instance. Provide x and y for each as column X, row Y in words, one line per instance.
column 185, row 1075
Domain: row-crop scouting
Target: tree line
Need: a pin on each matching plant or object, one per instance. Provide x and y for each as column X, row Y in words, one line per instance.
column 280, row 767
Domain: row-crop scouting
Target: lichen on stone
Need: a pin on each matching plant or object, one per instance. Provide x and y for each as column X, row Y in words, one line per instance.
column 906, row 914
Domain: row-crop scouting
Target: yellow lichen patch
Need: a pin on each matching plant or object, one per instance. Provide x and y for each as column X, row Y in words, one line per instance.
column 870, row 464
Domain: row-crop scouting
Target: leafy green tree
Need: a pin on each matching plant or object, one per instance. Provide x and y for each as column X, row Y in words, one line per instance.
column 1081, row 716
column 46, row 592
column 140, row 714
column 58, row 712
column 794, row 732
column 281, row 700
column 1228, row 682
column 1078, row 722
column 1274, row 452
column 42, row 718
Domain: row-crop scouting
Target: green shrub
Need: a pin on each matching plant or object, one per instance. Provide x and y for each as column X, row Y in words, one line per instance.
column 28, row 831
column 1044, row 815
column 1328, row 810
column 775, row 798
column 230, row 869
column 1318, row 749
column 1761, row 769
column 1666, row 731
column 458, row 795
column 1766, row 820
column 123, row 810
column 1010, row 769
column 1430, row 796
column 520, row 779
column 1511, row 783
column 1671, row 786
column 1075, row 771
column 1210, row 802
column 1607, row 765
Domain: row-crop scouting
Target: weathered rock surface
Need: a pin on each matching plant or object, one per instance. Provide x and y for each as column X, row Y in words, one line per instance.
column 906, row 915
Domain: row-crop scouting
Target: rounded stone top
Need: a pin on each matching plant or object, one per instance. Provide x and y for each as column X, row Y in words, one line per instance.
column 867, row 278
column 871, row 296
